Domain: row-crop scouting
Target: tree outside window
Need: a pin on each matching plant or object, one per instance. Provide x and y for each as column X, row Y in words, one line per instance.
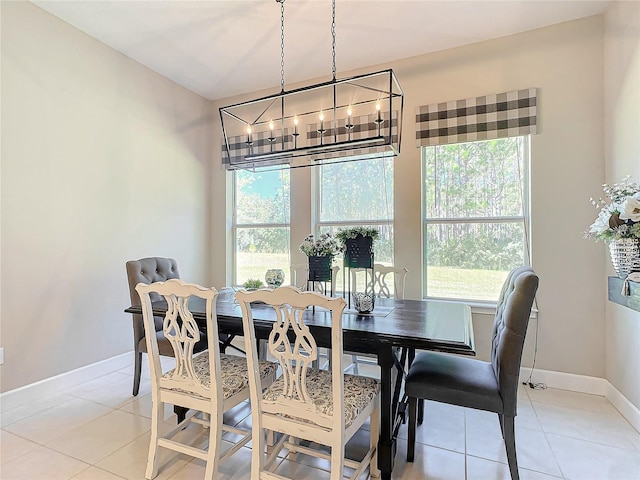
column 476, row 211
column 261, row 223
column 358, row 194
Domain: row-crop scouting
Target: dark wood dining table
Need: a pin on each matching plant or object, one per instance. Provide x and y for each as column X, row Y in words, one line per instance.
column 392, row 329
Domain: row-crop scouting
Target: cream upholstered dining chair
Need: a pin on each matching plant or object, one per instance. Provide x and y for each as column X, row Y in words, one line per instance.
column 149, row 270
column 383, row 278
column 304, row 403
column 208, row 383
column 468, row 382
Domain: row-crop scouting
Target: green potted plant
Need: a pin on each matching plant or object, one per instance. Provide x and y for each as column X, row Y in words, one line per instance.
column 253, row 284
column 320, row 253
column 357, row 243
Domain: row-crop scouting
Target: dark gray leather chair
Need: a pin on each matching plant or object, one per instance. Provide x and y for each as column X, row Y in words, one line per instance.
column 472, row 383
column 150, row 270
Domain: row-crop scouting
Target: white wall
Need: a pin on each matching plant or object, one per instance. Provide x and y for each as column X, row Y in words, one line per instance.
column 103, row 161
column 622, row 157
column 566, row 63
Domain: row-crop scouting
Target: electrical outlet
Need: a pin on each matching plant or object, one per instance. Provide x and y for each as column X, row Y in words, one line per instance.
column 1, row 355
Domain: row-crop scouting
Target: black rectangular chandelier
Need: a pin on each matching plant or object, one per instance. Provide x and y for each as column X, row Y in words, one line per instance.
column 341, row 120
column 337, row 121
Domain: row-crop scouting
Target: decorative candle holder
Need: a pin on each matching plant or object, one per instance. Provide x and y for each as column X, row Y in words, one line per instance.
column 274, row 277
column 349, row 126
column 364, row 302
column 379, row 121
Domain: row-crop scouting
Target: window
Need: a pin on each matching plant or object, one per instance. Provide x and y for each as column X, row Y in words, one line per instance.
column 260, row 223
column 476, row 210
column 358, row 193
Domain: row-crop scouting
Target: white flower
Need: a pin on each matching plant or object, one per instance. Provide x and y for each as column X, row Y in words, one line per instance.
column 619, row 215
column 601, row 224
column 630, row 208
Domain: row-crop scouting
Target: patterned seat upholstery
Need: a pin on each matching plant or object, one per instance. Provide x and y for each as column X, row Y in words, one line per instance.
column 358, row 393
column 235, row 376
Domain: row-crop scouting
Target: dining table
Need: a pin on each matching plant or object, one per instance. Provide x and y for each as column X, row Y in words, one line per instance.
column 391, row 332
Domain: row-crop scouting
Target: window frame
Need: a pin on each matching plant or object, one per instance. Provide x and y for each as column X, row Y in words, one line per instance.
column 334, row 225
column 235, row 227
column 524, row 220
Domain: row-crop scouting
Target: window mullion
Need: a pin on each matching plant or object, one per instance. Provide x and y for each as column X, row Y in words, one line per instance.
column 475, row 220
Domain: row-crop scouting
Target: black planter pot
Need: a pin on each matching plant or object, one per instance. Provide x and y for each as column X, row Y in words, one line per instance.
column 358, row 252
column 320, row 269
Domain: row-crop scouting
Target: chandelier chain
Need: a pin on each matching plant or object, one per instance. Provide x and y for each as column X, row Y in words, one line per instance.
column 281, row 44
column 333, row 38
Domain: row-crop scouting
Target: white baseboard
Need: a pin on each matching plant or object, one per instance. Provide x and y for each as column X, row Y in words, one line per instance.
column 624, row 406
column 53, row 385
column 567, row 381
column 586, row 384
column 560, row 380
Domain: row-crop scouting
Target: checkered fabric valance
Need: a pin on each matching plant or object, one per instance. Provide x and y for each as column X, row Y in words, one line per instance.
column 365, row 127
column 501, row 115
column 239, row 147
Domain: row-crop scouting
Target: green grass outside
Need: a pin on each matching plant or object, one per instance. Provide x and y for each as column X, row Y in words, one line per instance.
column 255, row 265
column 482, row 285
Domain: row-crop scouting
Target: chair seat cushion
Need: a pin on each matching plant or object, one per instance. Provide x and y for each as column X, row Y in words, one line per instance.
column 235, row 377
column 359, row 392
column 453, row 379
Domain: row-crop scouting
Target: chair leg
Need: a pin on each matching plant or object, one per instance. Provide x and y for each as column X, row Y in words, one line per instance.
column 420, row 411
column 157, row 417
column 337, row 463
column 213, row 452
column 510, row 445
column 181, row 412
column 374, row 437
column 411, row 442
column 354, row 360
column 137, row 371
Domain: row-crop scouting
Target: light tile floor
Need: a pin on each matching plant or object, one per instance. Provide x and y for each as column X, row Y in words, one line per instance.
column 98, row 431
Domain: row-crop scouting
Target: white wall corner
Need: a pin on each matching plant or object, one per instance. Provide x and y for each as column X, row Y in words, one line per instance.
column 624, row 406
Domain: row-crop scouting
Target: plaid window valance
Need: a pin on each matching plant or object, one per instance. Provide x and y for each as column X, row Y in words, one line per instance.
column 502, row 115
column 365, row 127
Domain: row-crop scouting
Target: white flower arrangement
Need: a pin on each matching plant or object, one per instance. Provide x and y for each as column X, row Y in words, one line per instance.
column 619, row 216
column 325, row 245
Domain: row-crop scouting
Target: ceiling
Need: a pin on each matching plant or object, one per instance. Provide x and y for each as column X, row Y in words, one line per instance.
column 220, row 48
